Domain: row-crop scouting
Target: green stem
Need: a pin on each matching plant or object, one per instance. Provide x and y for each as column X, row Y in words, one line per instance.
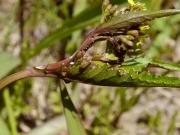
column 33, row 72
column 11, row 116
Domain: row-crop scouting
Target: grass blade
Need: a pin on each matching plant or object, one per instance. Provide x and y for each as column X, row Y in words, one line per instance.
column 12, row 119
column 74, row 123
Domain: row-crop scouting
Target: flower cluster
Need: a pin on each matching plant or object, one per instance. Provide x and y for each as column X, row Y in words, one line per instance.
column 125, row 41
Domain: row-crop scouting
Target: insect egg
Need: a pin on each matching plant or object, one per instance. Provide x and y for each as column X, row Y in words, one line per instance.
column 40, row 67
column 72, row 63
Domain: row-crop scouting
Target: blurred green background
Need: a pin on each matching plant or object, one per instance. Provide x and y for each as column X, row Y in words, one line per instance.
column 38, row 32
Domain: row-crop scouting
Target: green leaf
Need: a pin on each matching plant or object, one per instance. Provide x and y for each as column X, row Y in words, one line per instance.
column 170, row 66
column 132, row 18
column 132, row 74
column 172, row 125
column 8, row 63
column 74, row 123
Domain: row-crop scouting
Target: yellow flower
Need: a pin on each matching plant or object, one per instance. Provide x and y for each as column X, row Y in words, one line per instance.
column 131, row 2
column 136, row 6
column 139, row 43
column 144, row 28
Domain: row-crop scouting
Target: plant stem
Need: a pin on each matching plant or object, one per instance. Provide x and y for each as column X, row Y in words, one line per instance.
column 33, row 72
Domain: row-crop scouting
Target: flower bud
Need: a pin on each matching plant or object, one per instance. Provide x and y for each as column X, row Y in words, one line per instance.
column 113, row 9
column 134, row 33
column 80, row 54
column 105, row 4
column 126, row 41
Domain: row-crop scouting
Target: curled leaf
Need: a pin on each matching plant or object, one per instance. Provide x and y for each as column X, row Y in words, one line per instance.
column 132, row 18
column 132, row 74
